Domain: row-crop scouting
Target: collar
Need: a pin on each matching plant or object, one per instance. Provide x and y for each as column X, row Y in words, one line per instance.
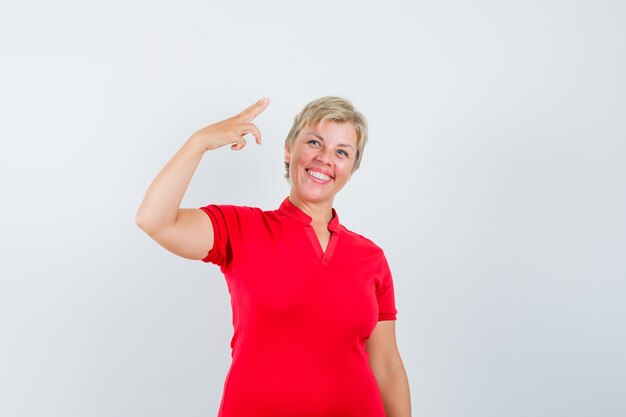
column 290, row 210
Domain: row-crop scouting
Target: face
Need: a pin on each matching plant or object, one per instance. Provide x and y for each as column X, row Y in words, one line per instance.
column 321, row 160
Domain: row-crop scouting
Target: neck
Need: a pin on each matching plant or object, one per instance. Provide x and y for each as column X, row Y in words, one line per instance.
column 320, row 212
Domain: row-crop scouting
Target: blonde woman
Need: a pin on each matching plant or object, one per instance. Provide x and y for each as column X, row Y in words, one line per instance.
column 313, row 302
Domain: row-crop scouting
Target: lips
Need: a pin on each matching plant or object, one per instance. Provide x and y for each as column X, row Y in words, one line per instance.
column 318, row 175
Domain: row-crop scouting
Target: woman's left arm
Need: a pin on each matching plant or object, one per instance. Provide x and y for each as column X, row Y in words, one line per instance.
column 386, row 363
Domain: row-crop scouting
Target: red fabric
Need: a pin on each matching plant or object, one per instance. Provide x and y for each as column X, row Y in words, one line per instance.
column 300, row 316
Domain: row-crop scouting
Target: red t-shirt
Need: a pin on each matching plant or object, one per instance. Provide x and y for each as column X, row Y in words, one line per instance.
column 300, row 316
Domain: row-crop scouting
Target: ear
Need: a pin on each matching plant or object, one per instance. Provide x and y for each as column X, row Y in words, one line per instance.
column 287, row 154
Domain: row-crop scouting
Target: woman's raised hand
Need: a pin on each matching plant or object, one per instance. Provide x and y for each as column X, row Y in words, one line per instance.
column 232, row 130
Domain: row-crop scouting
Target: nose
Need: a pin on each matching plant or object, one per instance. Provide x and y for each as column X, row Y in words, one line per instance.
column 324, row 156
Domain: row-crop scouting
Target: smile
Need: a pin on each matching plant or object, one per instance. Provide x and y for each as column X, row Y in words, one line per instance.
column 318, row 175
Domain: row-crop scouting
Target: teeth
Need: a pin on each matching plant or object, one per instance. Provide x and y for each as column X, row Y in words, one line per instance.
column 318, row 175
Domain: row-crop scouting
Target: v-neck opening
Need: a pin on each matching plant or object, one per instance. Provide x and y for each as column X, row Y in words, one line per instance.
column 325, row 256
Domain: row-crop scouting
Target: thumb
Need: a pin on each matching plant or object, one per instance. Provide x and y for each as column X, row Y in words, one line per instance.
column 239, row 145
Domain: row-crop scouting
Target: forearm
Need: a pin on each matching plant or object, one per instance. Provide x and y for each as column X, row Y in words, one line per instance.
column 394, row 389
column 165, row 194
column 160, row 205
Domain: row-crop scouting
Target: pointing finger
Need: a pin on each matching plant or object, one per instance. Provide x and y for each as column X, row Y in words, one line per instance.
column 253, row 111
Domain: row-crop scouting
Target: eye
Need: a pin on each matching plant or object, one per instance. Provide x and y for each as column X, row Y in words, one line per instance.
column 343, row 153
column 313, row 142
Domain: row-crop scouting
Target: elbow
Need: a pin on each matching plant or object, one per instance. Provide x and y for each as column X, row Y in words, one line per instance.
column 142, row 223
column 149, row 224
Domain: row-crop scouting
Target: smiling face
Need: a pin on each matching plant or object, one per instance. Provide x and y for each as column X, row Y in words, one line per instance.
column 321, row 160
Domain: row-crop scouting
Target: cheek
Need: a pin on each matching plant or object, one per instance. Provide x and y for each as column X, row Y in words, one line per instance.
column 346, row 166
column 303, row 155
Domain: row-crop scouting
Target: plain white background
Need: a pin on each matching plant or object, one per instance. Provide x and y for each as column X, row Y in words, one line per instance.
column 494, row 180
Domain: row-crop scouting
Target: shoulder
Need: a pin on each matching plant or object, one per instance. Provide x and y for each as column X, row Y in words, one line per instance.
column 361, row 242
column 234, row 209
column 233, row 213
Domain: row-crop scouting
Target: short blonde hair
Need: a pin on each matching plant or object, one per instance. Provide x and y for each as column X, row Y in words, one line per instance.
column 331, row 108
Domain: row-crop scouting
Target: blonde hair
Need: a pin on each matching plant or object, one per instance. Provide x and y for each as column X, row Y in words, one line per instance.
column 331, row 108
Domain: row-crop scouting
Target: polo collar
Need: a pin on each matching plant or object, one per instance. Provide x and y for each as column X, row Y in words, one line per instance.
column 290, row 210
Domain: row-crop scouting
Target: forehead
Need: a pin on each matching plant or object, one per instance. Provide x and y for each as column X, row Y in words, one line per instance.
column 332, row 131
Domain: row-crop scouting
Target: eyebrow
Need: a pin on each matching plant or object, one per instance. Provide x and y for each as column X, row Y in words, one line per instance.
column 317, row 135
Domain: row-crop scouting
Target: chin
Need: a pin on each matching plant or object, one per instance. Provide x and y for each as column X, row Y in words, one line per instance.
column 315, row 196
column 312, row 196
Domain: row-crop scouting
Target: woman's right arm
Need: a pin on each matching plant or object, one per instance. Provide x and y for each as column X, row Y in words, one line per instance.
column 188, row 232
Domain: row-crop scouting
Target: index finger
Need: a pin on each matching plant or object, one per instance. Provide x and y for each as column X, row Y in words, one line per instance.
column 253, row 111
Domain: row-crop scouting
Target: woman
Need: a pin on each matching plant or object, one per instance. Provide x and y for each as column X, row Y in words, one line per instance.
column 313, row 303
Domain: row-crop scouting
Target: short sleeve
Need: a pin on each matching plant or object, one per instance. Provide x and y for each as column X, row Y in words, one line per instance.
column 228, row 224
column 385, row 293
